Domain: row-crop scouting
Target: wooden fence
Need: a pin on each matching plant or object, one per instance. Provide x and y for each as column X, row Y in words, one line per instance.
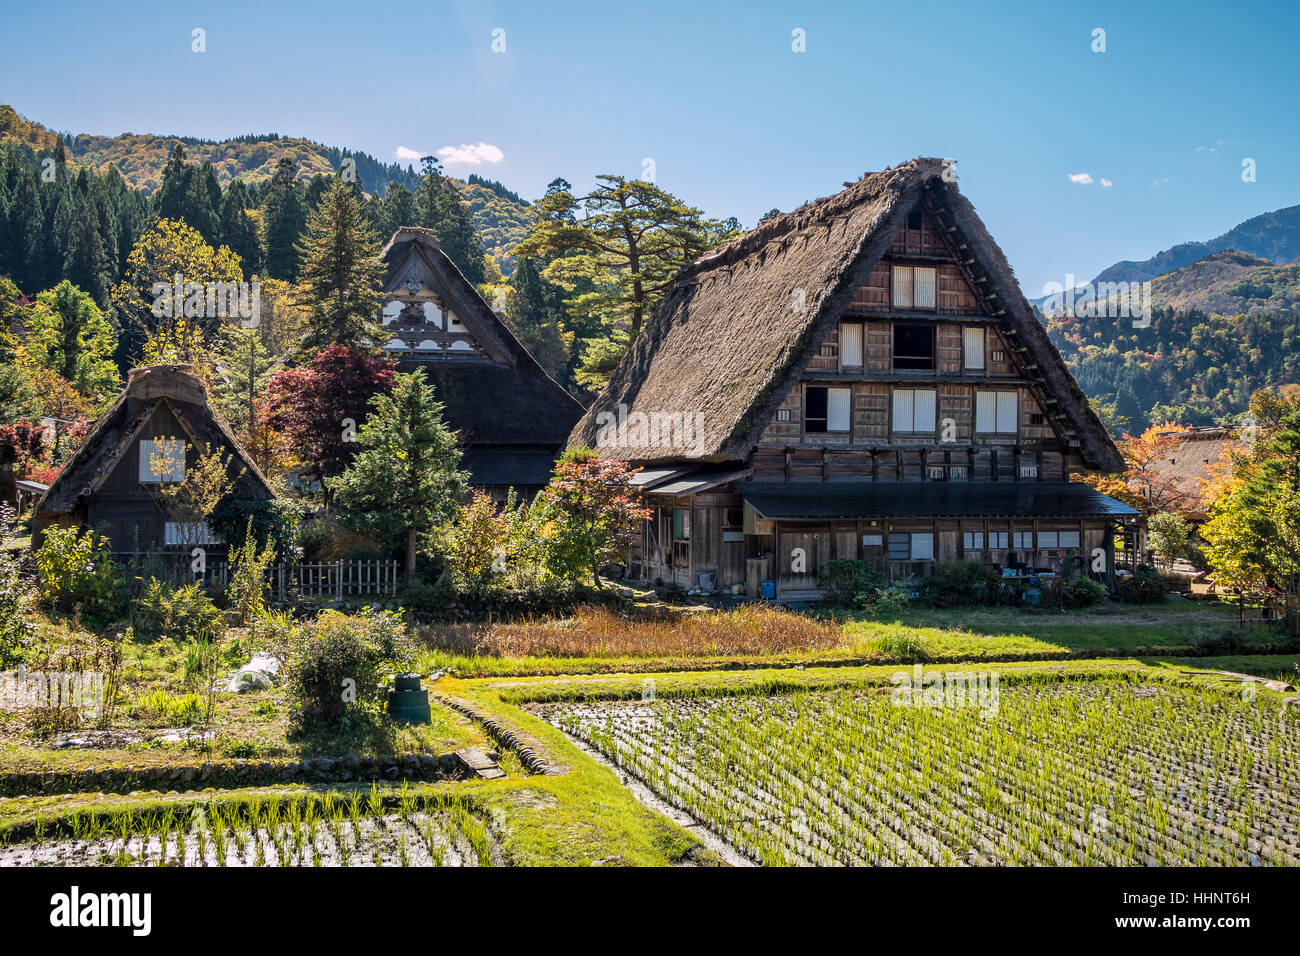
column 287, row 582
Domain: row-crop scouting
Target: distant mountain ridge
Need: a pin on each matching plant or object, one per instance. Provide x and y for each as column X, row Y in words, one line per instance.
column 1273, row 235
column 500, row 215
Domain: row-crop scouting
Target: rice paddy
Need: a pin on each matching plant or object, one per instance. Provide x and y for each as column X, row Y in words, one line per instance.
column 1102, row 772
column 332, row 830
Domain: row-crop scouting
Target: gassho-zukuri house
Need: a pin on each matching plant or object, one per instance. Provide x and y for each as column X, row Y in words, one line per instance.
column 860, row 378
column 512, row 418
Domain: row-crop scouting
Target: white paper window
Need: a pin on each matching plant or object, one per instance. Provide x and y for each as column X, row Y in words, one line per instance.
column 1022, row 540
column 187, row 533
column 923, row 288
column 902, row 287
column 973, row 348
column 1069, row 539
column 1048, row 539
column 162, row 460
column 995, row 412
column 872, row 540
column 998, row 540
column 972, row 541
column 914, row 409
column 923, row 546
column 851, row 345
column 1028, row 471
column 838, row 401
column 1007, row 412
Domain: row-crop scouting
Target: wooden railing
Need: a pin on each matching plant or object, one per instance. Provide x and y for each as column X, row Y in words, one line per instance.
column 288, row 582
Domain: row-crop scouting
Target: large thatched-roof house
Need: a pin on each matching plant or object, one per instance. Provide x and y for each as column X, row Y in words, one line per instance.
column 149, row 437
column 513, row 418
column 1188, row 462
column 860, row 378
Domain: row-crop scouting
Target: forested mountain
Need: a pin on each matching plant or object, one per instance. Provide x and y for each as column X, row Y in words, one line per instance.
column 501, row 216
column 1221, row 328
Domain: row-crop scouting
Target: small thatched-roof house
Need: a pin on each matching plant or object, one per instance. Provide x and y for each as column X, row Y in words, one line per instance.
column 1187, row 464
column 109, row 482
column 512, row 417
column 859, row 378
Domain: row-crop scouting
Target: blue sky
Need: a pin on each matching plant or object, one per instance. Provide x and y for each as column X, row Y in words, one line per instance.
column 735, row 120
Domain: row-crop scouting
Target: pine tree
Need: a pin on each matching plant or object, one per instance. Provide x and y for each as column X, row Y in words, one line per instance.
column 405, row 480
column 439, row 207
column 85, row 265
column 238, row 230
column 284, row 220
column 341, row 273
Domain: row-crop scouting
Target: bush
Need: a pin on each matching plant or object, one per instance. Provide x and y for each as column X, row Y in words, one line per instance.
column 884, row 601
column 905, row 646
column 1144, row 586
column 1078, row 592
column 16, row 594
column 77, row 570
column 183, row 613
column 338, row 660
column 845, row 578
column 959, row 583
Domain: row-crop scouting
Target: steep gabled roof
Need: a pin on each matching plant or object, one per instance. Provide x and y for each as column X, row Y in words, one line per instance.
column 507, row 401
column 147, row 389
column 727, row 342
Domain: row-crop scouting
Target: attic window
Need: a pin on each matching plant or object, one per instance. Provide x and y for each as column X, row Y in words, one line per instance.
column 914, row 347
column 913, row 287
column 162, row 461
column 914, row 218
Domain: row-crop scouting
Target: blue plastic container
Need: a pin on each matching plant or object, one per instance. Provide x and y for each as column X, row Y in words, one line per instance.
column 768, row 590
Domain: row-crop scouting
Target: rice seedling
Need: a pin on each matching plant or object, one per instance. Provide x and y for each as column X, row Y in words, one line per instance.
column 1106, row 772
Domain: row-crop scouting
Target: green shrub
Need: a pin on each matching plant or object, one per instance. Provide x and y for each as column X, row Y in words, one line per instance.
column 16, row 594
column 960, row 583
column 884, row 601
column 337, row 660
column 184, row 613
column 905, row 646
column 77, row 571
column 1073, row 593
column 182, row 710
column 844, row 579
column 1144, row 586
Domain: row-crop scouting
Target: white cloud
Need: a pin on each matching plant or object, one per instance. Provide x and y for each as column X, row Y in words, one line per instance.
column 1160, row 182
column 1083, row 178
column 1106, row 184
column 405, row 152
column 467, row 154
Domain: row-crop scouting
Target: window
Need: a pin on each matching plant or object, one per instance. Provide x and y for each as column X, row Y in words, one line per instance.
column 829, row 351
column 923, row 547
column 936, row 472
column 1049, row 539
column 682, row 524
column 872, row 540
column 995, row 412
column 972, row 541
column 826, row 409
column 851, row 345
column 1069, row 539
column 181, row 534
column 1028, row 471
column 168, row 455
column 914, row 218
column 972, row 340
column 998, row 540
column 1036, row 418
column 783, row 414
column 1022, row 540
column 999, row 355
column 914, row 410
column 900, row 547
column 914, row 346
column 913, row 287
column 957, row 472
column 733, row 517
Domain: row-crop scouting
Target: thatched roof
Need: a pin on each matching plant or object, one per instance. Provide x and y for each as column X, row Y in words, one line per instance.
column 726, row 341
column 506, row 400
column 147, row 389
column 1186, row 465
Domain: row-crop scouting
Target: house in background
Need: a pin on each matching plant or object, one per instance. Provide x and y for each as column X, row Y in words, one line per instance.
column 513, row 419
column 860, row 378
column 1190, row 460
column 148, row 438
